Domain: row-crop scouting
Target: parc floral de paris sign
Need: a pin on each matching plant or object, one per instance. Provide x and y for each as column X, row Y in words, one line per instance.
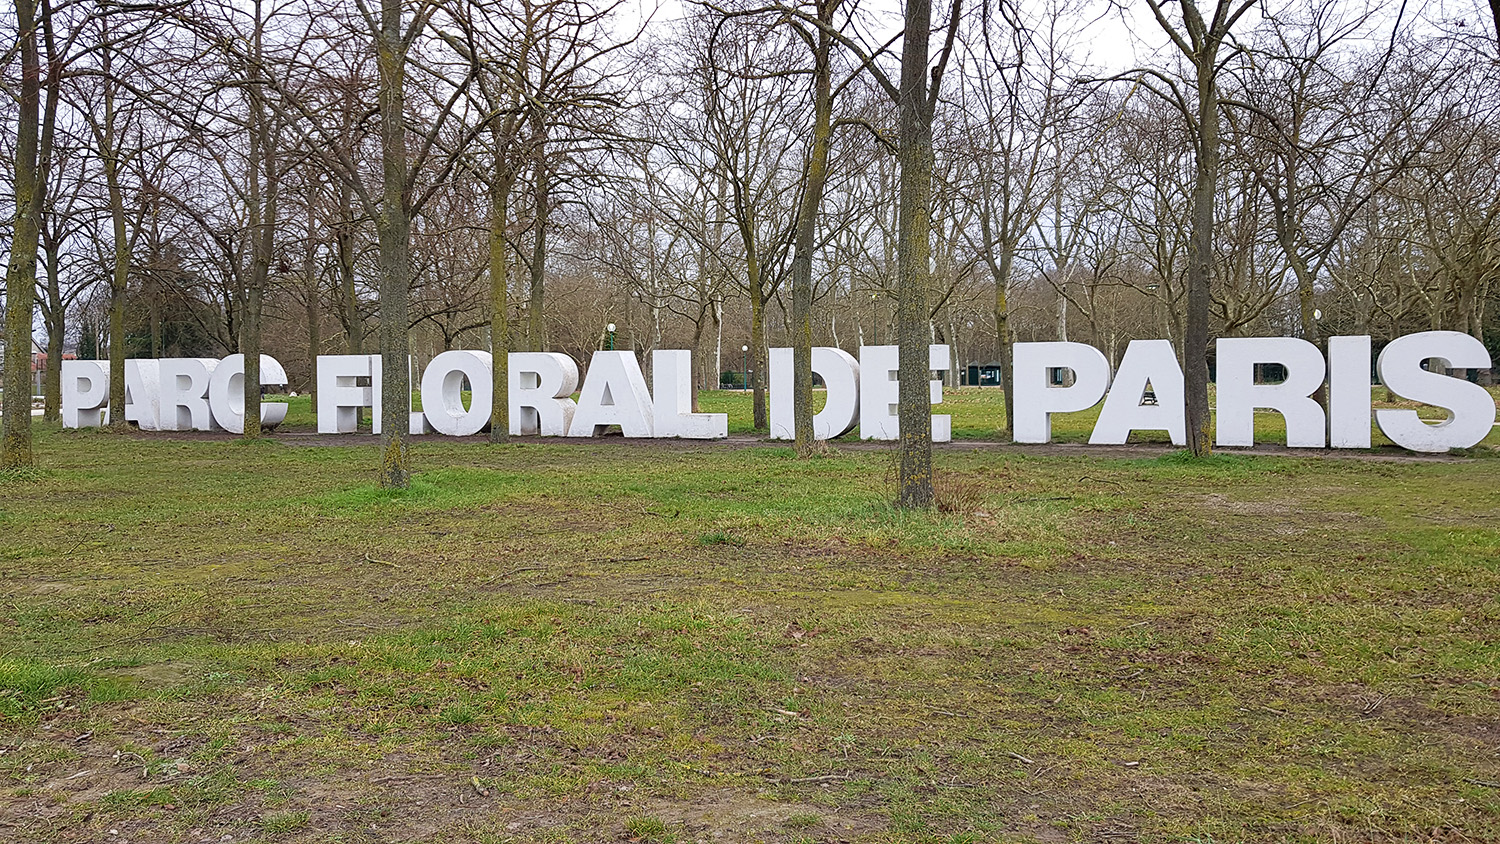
column 204, row 394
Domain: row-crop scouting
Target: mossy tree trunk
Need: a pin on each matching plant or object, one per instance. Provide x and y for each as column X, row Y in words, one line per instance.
column 20, row 273
column 537, row 330
column 807, row 217
column 262, row 201
column 499, row 257
column 393, row 230
column 913, row 249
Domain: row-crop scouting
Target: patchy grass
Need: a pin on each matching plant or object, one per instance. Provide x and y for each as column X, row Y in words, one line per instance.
column 646, row 829
column 567, row 642
column 279, row 824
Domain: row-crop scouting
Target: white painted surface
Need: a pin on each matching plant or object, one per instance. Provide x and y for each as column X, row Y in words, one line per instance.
column 143, row 393
column 340, row 397
column 540, row 386
column 1146, row 362
column 672, row 400
column 614, row 393
column 1239, row 395
column 226, row 393
column 85, row 392
column 840, row 373
column 1036, row 399
column 1471, row 408
column 880, row 392
column 781, row 393
column 184, row 394
column 442, row 393
column 1349, row 392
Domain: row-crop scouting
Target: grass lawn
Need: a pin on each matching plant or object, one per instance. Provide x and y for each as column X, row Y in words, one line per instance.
column 670, row 642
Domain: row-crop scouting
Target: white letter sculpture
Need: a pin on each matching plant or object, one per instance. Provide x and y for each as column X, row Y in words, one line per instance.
column 880, row 393
column 614, row 393
column 672, row 400
column 204, row 394
column 1146, row 362
column 442, row 393
column 840, row 373
column 85, row 392
column 226, row 393
column 416, row 419
column 1471, row 410
column 143, row 393
column 184, row 394
column 1037, row 399
column 1349, row 392
column 1239, row 395
column 781, row 394
column 540, row 386
column 340, row 395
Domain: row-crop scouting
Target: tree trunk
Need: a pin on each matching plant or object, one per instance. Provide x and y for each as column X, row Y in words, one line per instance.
column 262, row 200
column 807, row 218
column 1002, row 335
column 695, row 346
column 314, row 341
column 353, row 324
column 499, row 307
column 718, row 342
column 1485, row 377
column 56, row 332
column 1200, row 257
column 537, row 332
column 117, row 285
column 757, row 356
column 314, row 300
column 57, row 318
column 1000, row 269
column 912, row 251
column 109, row 160
column 153, row 304
column 393, row 228
column 250, row 347
column 20, row 275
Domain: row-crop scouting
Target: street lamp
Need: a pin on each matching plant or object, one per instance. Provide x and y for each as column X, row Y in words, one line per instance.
column 611, row 327
column 875, row 317
column 745, row 368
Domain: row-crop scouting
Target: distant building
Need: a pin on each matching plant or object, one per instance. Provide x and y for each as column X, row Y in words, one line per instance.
column 980, row 375
column 39, row 366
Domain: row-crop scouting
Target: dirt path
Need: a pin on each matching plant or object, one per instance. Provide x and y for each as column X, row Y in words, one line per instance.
column 308, row 439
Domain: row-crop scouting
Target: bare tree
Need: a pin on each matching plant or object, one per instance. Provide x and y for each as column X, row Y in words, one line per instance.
column 1318, row 149
column 61, row 222
column 751, row 144
column 400, row 196
column 248, row 63
column 821, row 44
column 110, row 126
column 1201, row 41
column 1019, row 147
column 915, row 93
column 917, row 100
column 33, row 155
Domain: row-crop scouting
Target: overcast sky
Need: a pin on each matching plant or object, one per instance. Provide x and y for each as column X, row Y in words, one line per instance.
column 1120, row 34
